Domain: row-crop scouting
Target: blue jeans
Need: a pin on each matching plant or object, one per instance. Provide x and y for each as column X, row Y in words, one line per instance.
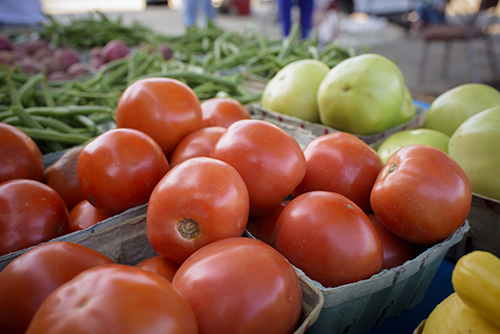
column 191, row 8
column 306, row 13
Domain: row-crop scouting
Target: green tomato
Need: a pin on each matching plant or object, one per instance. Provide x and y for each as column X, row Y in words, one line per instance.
column 412, row 137
column 362, row 95
column 408, row 110
column 454, row 106
column 475, row 146
column 292, row 91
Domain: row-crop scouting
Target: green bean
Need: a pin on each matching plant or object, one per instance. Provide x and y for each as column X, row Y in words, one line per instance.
column 87, row 122
column 49, row 99
column 289, row 41
column 67, row 110
column 28, row 87
column 24, row 117
column 54, row 136
column 45, row 121
column 191, row 75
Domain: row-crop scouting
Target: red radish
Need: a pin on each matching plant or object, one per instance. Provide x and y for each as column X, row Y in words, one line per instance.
column 57, row 76
column 51, row 64
column 5, row 43
column 96, row 61
column 77, row 69
column 95, row 51
column 67, row 56
column 18, row 54
column 165, row 50
column 36, row 45
column 42, row 53
column 30, row 66
column 115, row 49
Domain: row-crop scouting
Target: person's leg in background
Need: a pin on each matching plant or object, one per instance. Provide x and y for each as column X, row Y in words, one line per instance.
column 190, row 12
column 285, row 9
column 306, row 15
column 209, row 11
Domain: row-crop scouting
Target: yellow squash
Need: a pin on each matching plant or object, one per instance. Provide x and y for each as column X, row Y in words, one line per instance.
column 476, row 280
column 452, row 316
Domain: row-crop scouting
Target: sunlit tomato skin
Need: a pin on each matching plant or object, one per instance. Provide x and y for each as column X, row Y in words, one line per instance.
column 196, row 144
column 84, row 215
column 240, row 285
column 396, row 250
column 262, row 227
column 62, row 176
column 30, row 278
column 114, row 298
column 199, row 201
column 30, row 213
column 269, row 160
column 119, row 169
column 21, row 157
column 321, row 227
column 222, row 111
column 159, row 265
column 166, row 109
column 341, row 162
column 422, row 195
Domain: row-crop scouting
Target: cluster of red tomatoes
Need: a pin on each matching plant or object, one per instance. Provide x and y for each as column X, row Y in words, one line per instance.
column 208, row 172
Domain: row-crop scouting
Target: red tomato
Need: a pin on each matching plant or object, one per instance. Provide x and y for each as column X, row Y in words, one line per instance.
column 84, row 215
column 30, row 278
column 159, row 265
column 329, row 237
column 341, row 162
column 421, row 195
column 199, row 201
column 269, row 160
column 164, row 108
column 222, row 111
column 114, row 298
column 21, row 157
column 119, row 169
column 30, row 213
column 262, row 227
column 196, row 144
column 396, row 250
column 240, row 285
column 62, row 176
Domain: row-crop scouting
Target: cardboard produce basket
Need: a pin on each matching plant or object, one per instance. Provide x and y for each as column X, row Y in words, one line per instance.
column 359, row 307
column 484, row 232
column 319, row 129
column 123, row 238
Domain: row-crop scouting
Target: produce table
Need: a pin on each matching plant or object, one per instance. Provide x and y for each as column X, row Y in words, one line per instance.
column 439, row 289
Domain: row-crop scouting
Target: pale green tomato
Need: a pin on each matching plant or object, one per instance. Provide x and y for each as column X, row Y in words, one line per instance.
column 408, row 110
column 362, row 95
column 454, row 106
column 412, row 137
column 475, row 146
column 292, row 91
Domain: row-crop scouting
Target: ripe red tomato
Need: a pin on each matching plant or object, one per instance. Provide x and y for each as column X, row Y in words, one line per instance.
column 159, row 265
column 269, row 160
column 30, row 278
column 196, row 144
column 262, row 227
column 341, row 162
column 222, row 111
column 62, row 176
column 421, row 195
column 84, row 215
column 165, row 109
column 240, row 285
column 21, row 157
column 119, row 169
column 30, row 213
column 114, row 298
column 329, row 237
column 199, row 201
column 396, row 250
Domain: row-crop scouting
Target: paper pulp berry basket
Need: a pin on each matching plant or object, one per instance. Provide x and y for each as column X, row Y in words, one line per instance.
column 359, row 307
column 319, row 129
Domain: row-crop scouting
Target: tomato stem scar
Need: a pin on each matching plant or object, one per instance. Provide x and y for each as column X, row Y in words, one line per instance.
column 391, row 168
column 188, row 228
